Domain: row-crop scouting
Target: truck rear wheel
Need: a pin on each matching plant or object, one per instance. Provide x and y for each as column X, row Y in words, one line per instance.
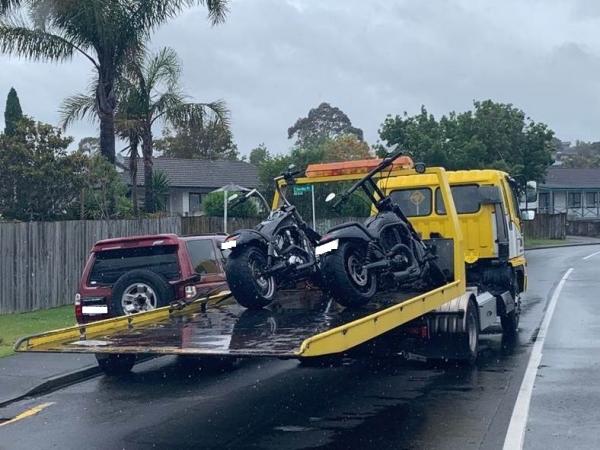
column 346, row 278
column 250, row 287
column 468, row 341
column 115, row 364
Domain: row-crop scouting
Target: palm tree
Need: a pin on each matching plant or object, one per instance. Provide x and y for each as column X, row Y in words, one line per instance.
column 149, row 92
column 108, row 33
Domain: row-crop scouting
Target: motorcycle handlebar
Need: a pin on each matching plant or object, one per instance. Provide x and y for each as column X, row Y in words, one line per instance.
column 382, row 165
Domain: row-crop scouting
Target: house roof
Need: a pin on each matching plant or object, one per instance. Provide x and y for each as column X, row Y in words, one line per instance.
column 199, row 173
column 569, row 178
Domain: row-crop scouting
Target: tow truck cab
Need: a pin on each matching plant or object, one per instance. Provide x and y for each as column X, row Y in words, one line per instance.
column 487, row 205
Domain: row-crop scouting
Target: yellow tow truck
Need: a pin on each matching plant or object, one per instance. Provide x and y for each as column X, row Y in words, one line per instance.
column 479, row 248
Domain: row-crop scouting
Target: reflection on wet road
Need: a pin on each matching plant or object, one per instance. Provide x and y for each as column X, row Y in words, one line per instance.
column 373, row 399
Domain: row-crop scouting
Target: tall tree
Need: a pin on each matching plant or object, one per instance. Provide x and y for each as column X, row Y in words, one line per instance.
column 108, row 33
column 259, row 155
column 13, row 113
column 208, row 139
column 149, row 92
column 492, row 135
column 39, row 179
column 322, row 123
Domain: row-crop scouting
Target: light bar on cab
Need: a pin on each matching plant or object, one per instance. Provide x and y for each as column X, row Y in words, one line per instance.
column 353, row 167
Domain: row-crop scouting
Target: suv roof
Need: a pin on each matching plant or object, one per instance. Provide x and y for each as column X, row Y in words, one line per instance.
column 136, row 241
column 149, row 241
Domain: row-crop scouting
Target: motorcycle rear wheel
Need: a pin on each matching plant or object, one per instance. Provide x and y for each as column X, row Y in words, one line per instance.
column 346, row 279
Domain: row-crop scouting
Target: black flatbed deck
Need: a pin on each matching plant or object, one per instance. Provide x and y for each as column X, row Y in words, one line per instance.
column 229, row 329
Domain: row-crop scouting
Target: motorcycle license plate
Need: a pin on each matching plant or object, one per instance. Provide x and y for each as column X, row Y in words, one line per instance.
column 326, row 248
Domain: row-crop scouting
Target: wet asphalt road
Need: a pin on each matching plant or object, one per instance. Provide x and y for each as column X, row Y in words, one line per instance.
column 367, row 402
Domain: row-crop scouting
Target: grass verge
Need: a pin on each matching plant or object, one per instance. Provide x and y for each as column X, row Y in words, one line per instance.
column 533, row 243
column 14, row 326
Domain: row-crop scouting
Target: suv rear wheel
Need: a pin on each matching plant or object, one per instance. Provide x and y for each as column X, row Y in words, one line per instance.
column 139, row 291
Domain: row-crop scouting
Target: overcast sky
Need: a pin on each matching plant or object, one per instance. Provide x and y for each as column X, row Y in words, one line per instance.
column 273, row 60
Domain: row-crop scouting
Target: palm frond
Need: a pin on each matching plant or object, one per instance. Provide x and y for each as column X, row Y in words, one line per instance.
column 149, row 14
column 197, row 114
column 163, row 67
column 7, row 6
column 21, row 40
column 78, row 107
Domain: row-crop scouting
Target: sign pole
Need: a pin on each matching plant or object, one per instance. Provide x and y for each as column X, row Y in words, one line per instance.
column 313, row 208
column 225, row 211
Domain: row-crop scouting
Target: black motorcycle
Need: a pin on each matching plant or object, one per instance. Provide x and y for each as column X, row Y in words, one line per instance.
column 278, row 252
column 357, row 259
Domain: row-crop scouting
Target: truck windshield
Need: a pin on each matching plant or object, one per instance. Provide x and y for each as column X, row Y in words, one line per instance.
column 110, row 265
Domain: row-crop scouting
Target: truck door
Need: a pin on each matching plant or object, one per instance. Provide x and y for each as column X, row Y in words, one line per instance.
column 515, row 236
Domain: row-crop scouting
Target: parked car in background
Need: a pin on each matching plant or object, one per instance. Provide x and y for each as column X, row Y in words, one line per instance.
column 129, row 275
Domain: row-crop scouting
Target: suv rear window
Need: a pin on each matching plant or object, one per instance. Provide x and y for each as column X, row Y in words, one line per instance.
column 202, row 255
column 111, row 264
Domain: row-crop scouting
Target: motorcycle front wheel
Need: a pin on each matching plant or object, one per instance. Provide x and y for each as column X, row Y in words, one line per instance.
column 245, row 276
column 345, row 277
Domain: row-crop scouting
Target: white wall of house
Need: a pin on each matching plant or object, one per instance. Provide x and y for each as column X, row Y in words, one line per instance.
column 588, row 205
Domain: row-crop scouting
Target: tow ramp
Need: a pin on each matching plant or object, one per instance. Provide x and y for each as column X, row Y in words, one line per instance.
column 301, row 323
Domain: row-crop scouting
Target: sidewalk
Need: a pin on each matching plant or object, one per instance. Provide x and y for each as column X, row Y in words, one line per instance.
column 568, row 242
column 29, row 373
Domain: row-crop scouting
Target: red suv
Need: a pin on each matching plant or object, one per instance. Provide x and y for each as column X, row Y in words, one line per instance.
column 130, row 275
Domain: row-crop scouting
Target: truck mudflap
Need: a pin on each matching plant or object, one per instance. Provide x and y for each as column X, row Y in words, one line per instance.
column 301, row 323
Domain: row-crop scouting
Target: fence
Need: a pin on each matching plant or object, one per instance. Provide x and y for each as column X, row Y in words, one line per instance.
column 547, row 226
column 41, row 262
column 589, row 228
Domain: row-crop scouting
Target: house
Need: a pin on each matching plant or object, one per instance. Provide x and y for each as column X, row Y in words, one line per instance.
column 572, row 191
column 192, row 179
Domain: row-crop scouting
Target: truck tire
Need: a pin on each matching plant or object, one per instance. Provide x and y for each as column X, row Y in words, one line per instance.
column 115, row 364
column 345, row 279
column 468, row 341
column 250, row 289
column 510, row 321
column 138, row 291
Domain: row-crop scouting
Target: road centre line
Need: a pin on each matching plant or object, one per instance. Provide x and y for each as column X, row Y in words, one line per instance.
column 29, row 413
column 515, row 436
column 591, row 256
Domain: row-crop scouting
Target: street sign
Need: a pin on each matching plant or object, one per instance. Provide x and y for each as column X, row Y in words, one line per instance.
column 417, row 198
column 302, row 189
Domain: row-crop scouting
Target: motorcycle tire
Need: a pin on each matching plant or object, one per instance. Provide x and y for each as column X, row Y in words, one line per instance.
column 243, row 269
column 348, row 285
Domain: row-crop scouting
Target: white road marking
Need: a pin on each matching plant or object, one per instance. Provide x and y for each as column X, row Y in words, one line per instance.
column 591, row 256
column 515, row 435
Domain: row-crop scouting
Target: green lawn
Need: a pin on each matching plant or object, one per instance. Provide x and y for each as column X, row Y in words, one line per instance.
column 14, row 326
column 533, row 243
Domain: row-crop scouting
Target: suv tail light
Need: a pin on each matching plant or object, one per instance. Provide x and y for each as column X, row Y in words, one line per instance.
column 190, row 292
column 78, row 312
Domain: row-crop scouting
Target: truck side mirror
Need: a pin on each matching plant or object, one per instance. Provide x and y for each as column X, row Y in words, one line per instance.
column 527, row 215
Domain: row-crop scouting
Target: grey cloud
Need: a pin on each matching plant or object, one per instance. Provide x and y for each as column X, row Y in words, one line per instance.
column 273, row 60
